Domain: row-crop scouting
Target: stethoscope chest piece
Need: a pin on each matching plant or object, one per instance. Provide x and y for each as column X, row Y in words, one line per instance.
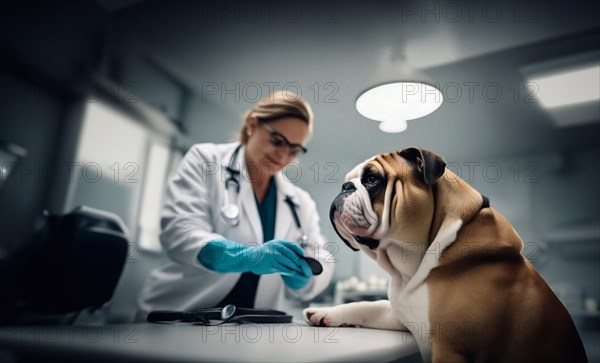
column 231, row 214
column 230, row 211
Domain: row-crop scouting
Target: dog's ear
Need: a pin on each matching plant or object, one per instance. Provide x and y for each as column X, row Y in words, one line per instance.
column 429, row 165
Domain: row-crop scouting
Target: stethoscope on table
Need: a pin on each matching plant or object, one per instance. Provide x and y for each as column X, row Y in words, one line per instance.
column 231, row 212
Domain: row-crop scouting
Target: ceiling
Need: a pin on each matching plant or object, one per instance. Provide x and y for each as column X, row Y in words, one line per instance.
column 330, row 50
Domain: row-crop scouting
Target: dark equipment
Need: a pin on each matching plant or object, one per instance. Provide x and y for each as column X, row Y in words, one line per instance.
column 72, row 262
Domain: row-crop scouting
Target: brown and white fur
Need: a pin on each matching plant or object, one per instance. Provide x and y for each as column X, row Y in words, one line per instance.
column 458, row 280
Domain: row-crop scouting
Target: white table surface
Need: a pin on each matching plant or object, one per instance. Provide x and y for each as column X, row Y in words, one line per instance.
column 185, row 343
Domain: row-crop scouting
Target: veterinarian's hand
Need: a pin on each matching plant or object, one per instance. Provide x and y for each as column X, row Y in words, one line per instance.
column 274, row 256
column 296, row 280
column 278, row 256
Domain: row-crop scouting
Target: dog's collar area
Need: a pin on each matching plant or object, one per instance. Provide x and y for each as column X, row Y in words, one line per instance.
column 485, row 203
column 367, row 241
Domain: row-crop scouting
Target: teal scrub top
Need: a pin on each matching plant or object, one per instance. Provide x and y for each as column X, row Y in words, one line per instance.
column 268, row 211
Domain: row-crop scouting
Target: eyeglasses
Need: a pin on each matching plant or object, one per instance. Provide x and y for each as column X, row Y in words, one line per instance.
column 279, row 141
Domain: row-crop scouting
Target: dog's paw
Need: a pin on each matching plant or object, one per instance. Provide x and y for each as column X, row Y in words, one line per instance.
column 331, row 316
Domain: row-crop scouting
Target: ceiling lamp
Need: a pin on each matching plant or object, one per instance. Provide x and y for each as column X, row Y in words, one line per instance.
column 399, row 93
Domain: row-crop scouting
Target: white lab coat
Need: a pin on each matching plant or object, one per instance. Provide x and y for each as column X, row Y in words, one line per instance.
column 191, row 217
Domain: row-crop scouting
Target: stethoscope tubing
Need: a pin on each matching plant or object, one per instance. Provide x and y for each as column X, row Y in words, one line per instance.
column 233, row 217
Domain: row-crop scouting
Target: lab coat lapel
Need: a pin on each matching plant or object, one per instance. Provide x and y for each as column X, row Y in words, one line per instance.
column 284, row 221
column 247, row 202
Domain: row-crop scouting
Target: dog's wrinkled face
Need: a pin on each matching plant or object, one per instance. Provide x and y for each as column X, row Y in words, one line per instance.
column 387, row 197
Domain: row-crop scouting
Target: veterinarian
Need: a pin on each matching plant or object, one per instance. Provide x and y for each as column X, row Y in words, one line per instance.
column 233, row 226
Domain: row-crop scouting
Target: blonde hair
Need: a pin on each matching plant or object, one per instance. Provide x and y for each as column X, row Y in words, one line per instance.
column 277, row 105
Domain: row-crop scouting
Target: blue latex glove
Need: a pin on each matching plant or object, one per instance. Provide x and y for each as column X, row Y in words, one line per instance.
column 295, row 280
column 275, row 256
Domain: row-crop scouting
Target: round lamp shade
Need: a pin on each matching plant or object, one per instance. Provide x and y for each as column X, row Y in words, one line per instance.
column 399, row 101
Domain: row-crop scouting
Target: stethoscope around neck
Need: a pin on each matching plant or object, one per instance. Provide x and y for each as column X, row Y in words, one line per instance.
column 231, row 212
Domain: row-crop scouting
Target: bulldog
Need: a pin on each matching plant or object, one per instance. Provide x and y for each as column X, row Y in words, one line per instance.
column 458, row 280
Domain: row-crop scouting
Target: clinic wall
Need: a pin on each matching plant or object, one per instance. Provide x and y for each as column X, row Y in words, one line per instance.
column 567, row 202
column 30, row 118
column 42, row 49
column 209, row 121
column 142, row 77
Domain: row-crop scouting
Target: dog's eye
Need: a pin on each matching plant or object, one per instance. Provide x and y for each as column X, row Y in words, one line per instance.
column 371, row 179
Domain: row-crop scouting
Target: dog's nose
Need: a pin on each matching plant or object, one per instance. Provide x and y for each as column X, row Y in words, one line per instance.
column 348, row 187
